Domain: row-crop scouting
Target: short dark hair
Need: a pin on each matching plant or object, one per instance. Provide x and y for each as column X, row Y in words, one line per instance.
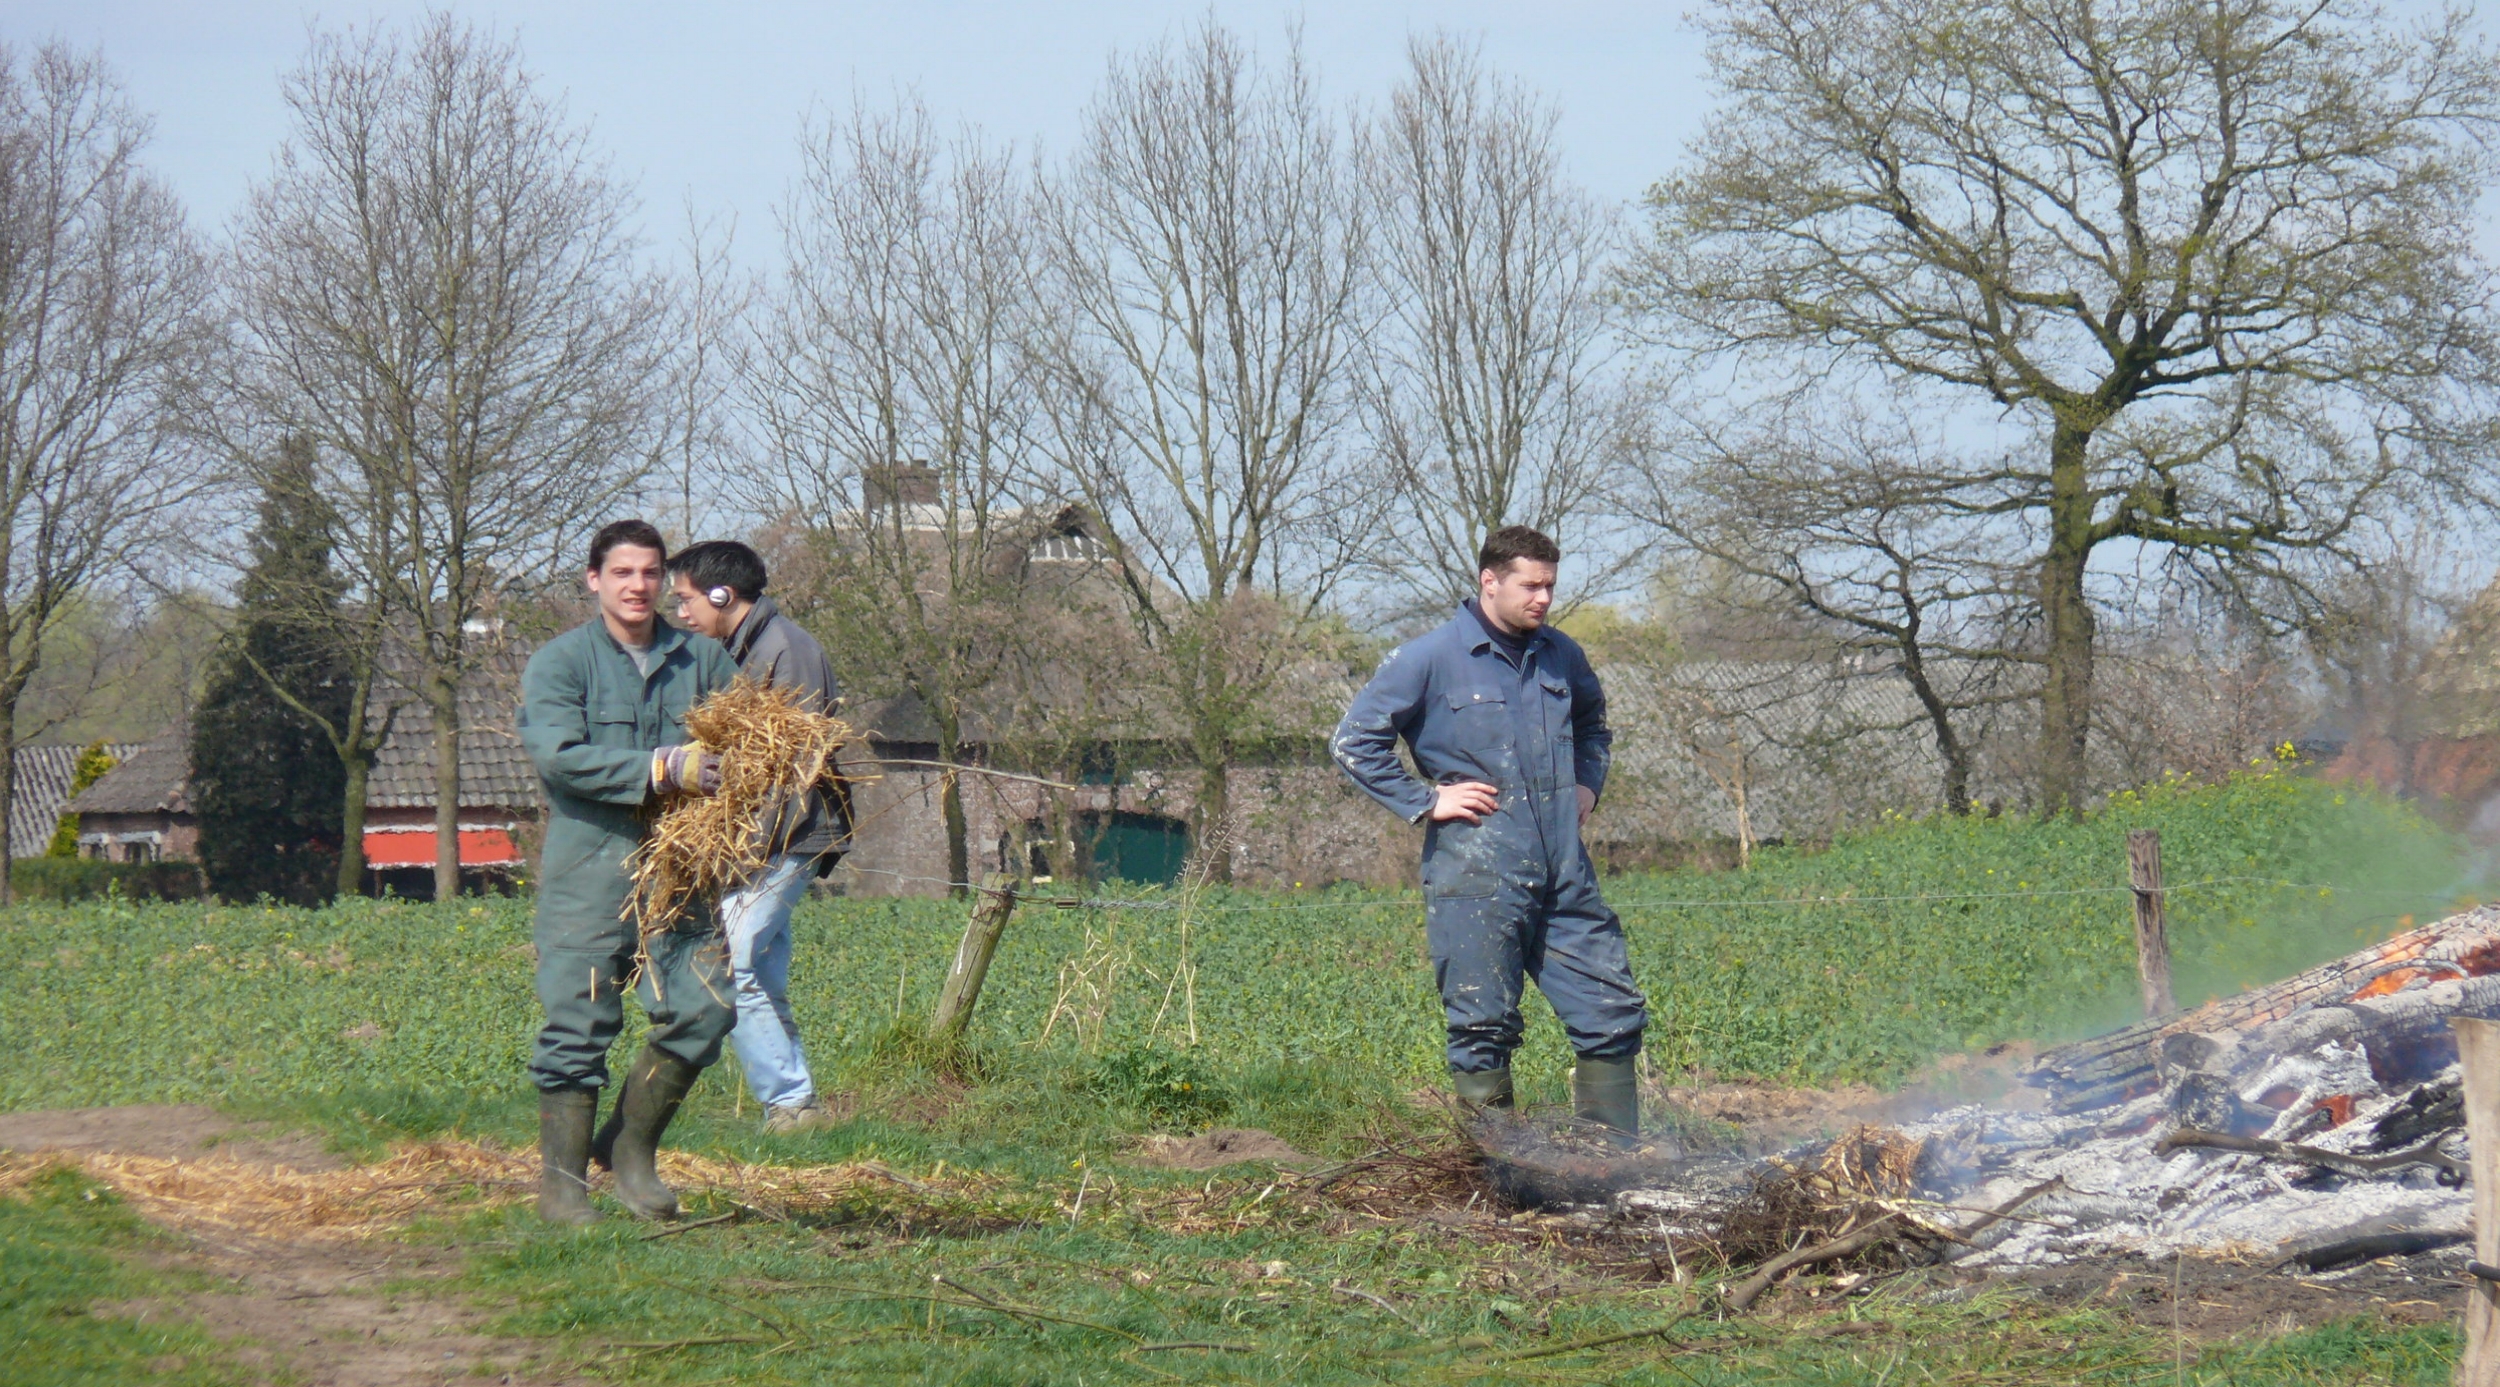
column 721, row 563
column 637, row 533
column 1516, row 542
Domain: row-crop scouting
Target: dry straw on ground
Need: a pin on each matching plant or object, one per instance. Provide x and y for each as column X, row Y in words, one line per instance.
column 771, row 749
column 435, row 1177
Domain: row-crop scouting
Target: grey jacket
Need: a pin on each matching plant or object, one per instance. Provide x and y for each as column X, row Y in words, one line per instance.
column 772, row 649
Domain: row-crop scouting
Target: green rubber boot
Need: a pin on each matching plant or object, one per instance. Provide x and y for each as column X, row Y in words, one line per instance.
column 1608, row 1092
column 630, row 1142
column 1488, row 1089
column 564, row 1121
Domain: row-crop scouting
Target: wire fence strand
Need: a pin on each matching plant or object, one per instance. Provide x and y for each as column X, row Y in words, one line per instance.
column 1153, row 903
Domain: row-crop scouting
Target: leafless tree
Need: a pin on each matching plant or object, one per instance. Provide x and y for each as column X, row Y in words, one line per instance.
column 2404, row 651
column 2217, row 257
column 1489, row 383
column 894, row 376
column 436, row 287
column 1852, row 521
column 1204, row 260
column 2195, row 694
column 102, row 292
column 700, row 450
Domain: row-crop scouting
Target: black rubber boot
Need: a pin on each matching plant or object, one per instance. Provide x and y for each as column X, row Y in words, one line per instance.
column 1487, row 1089
column 1608, row 1092
column 630, row 1143
column 564, row 1121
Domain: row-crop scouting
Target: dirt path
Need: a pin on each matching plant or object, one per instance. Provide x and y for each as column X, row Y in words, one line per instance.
column 310, row 1307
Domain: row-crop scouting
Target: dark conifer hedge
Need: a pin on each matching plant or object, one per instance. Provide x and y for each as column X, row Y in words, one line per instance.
column 265, row 783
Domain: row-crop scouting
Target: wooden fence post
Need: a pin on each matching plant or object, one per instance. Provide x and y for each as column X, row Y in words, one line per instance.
column 991, row 905
column 2478, row 1050
column 2152, row 932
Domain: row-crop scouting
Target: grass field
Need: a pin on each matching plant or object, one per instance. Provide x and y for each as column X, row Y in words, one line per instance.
column 1308, row 1014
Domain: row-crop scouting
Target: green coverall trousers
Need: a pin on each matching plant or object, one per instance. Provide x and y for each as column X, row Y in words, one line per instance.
column 582, row 969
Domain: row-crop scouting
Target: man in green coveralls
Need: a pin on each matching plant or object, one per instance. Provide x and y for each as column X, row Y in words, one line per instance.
column 603, row 711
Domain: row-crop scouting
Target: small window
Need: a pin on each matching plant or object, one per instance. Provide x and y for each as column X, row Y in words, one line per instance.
column 1077, row 548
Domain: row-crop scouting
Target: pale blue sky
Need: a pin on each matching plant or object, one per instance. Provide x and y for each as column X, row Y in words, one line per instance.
column 706, row 99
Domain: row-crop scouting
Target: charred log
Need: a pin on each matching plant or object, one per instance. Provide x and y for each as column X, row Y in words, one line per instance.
column 2135, row 1061
column 2427, row 1111
column 2344, row 1250
column 2452, row 1170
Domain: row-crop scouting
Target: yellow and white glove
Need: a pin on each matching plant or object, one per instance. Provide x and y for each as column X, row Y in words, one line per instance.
column 686, row 769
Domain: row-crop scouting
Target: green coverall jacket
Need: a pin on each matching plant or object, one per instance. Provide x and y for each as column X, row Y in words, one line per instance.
column 590, row 720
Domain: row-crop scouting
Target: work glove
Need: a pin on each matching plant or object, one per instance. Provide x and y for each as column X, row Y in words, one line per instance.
column 689, row 769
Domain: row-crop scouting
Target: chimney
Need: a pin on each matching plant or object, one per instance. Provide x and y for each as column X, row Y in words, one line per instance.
column 899, row 484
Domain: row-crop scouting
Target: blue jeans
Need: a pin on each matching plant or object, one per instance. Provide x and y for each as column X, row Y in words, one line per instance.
column 756, row 919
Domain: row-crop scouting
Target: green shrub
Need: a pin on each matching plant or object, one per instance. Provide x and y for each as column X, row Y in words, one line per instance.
column 91, row 766
column 1171, row 1087
column 88, row 878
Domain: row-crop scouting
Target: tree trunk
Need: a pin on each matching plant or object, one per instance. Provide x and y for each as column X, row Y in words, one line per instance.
column 443, row 696
column 8, row 799
column 2066, row 614
column 1949, row 748
column 951, row 808
column 1215, row 806
column 359, row 769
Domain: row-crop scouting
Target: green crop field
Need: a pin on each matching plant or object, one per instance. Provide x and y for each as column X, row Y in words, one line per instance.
column 1306, row 1013
column 1854, row 963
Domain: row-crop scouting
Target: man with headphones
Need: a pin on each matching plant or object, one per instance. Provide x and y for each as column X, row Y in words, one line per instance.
column 719, row 587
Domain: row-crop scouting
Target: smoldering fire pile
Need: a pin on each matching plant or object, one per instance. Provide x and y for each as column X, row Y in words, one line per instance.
column 2314, row 1123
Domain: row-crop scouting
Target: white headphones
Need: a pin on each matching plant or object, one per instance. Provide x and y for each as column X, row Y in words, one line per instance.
column 721, row 597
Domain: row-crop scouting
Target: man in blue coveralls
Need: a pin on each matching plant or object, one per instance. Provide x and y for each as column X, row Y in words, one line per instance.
column 1507, row 724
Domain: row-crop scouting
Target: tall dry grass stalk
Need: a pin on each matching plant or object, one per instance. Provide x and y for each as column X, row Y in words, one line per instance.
column 1087, row 986
column 1196, row 876
column 771, row 749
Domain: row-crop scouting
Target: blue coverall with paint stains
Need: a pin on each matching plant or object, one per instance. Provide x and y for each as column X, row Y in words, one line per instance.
column 1515, row 896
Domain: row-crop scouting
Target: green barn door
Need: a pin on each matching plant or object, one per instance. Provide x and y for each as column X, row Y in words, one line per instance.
column 1146, row 848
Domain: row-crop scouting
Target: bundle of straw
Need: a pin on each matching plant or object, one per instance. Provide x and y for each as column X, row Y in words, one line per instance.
column 771, row 748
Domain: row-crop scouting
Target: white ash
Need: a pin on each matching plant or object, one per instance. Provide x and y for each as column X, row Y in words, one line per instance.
column 2125, row 1194
column 2118, row 1191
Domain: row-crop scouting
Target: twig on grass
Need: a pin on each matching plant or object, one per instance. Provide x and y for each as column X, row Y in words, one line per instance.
column 1751, row 1288
column 768, row 1319
column 887, row 1172
column 1746, row 1292
column 1345, row 1290
column 976, row 1303
column 1602, row 1341
column 705, row 1341
column 676, row 1228
column 1244, row 1215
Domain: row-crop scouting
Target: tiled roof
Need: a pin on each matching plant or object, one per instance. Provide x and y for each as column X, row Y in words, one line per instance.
column 153, row 779
column 494, row 771
column 41, row 787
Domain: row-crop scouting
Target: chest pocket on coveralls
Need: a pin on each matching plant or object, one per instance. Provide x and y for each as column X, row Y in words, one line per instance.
column 1557, row 705
column 1459, row 857
column 612, row 724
